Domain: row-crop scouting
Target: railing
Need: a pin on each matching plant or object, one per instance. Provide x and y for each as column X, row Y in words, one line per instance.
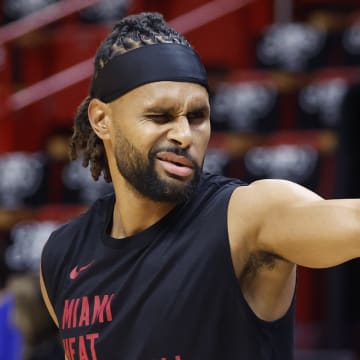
column 71, row 76
column 204, row 14
column 40, row 18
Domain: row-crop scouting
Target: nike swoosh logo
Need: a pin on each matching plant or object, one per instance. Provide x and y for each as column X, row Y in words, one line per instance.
column 75, row 272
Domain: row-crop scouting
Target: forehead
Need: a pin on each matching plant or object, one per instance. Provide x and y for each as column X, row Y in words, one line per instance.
column 166, row 93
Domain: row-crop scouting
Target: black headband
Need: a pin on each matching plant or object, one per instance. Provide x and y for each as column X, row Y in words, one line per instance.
column 146, row 64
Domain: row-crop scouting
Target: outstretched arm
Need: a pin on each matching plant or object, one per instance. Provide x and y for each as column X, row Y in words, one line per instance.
column 274, row 224
column 305, row 229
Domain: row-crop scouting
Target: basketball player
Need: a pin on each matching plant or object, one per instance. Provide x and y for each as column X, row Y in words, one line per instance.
column 178, row 264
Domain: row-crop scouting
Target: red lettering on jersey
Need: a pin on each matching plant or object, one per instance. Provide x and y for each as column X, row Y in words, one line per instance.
column 68, row 348
column 91, row 338
column 68, row 313
column 100, row 311
column 82, row 349
column 75, row 311
column 100, row 306
column 85, row 312
column 85, row 349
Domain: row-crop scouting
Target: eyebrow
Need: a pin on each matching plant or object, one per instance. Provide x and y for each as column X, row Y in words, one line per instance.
column 168, row 109
column 158, row 109
column 200, row 109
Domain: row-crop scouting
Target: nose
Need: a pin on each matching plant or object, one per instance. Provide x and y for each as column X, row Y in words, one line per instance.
column 180, row 132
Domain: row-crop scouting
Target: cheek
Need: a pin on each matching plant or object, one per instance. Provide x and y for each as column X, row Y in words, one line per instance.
column 203, row 135
column 201, row 143
column 144, row 136
column 129, row 138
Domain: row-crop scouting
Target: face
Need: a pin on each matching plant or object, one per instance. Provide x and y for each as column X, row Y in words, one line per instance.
column 159, row 137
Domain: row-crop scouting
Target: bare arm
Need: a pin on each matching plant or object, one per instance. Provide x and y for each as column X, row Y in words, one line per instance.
column 275, row 224
column 304, row 229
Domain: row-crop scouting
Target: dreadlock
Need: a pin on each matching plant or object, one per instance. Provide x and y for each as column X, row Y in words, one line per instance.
column 129, row 33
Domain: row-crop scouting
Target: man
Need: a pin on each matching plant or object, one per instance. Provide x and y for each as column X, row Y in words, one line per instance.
column 178, row 264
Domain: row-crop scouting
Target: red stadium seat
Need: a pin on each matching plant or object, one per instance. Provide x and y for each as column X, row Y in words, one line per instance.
column 81, row 41
column 319, row 103
column 246, row 102
column 6, row 133
column 229, row 39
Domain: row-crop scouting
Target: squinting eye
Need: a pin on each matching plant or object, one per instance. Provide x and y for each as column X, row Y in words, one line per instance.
column 160, row 118
column 196, row 116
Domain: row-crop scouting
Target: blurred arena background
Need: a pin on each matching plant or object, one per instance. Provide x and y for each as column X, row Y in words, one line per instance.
column 285, row 82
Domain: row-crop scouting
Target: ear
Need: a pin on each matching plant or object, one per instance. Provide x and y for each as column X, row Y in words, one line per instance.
column 99, row 117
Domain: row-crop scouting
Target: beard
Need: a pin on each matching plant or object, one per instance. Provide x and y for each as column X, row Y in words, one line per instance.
column 141, row 174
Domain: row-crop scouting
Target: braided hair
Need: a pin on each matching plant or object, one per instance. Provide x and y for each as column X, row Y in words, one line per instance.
column 129, row 33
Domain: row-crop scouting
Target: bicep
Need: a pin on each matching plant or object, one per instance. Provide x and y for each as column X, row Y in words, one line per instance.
column 294, row 223
column 47, row 300
column 319, row 233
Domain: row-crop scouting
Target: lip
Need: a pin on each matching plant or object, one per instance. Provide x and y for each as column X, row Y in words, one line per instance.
column 175, row 159
column 175, row 165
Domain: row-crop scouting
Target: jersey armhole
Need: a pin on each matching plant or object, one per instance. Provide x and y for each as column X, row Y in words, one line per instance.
column 46, row 299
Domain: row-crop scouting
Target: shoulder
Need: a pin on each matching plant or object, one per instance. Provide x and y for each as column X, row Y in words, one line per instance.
column 213, row 188
column 94, row 217
column 216, row 182
column 72, row 240
column 264, row 194
column 250, row 207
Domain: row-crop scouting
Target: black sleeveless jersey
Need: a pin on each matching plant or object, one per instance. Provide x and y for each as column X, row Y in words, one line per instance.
column 167, row 293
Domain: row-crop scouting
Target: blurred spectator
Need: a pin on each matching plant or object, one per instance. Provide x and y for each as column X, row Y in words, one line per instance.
column 26, row 332
column 40, row 334
column 10, row 337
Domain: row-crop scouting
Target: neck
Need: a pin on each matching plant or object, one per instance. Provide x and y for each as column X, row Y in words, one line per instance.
column 134, row 213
